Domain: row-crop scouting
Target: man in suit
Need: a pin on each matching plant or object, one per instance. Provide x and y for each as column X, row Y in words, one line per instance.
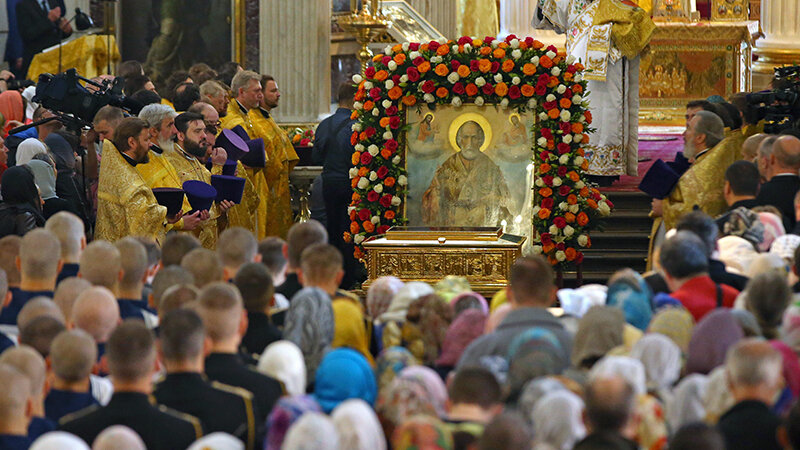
column 784, row 182
column 741, row 186
column 41, row 24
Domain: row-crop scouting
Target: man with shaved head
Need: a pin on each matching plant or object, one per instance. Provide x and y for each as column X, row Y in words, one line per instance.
column 96, row 311
column 69, row 230
column 134, row 273
column 177, row 297
column 39, row 263
column 236, row 246
column 73, row 355
column 40, row 332
column 165, row 279
column 38, row 307
column 204, row 265
column 301, row 236
column 15, row 408
column 7, row 332
column 101, row 265
column 784, row 182
column 31, row 363
column 67, row 292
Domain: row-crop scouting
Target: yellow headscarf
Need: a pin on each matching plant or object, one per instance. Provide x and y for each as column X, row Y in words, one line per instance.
column 349, row 328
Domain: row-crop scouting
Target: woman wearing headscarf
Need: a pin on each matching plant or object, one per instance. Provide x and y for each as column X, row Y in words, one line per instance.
column 433, row 384
column 344, row 374
column 469, row 300
column 402, row 399
column 534, row 353
column 310, row 325
column 628, row 291
column 662, row 363
column 599, row 330
column 357, row 426
column 285, row 413
column 349, row 327
column 686, row 404
column 313, row 431
column 389, row 324
column 773, row 229
column 467, row 327
column 422, row 432
column 496, row 317
column 13, row 110
column 283, row 361
column 791, row 377
column 45, row 177
column 435, row 316
column 68, row 184
column 27, row 149
column 718, row 397
column 21, row 209
column 558, row 421
column 712, row 337
column 391, row 362
column 675, row 323
column 380, row 294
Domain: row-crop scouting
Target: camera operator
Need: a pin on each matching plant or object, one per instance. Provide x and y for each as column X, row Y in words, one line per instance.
column 41, row 25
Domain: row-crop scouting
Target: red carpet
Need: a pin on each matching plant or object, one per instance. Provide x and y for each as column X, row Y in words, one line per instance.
column 651, row 147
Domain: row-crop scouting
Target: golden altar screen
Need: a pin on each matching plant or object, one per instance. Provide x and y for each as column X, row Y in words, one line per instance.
column 469, row 166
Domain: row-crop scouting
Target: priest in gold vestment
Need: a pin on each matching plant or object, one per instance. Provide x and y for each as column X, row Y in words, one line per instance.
column 125, row 204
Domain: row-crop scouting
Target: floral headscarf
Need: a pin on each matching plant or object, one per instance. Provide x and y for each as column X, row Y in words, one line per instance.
column 284, row 414
column 432, row 383
column 744, row 223
column 380, row 294
column 773, row 229
column 674, row 323
column 422, row 432
column 391, row 362
column 402, row 399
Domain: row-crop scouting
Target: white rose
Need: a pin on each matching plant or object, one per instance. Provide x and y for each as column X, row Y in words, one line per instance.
column 396, row 201
column 578, row 78
column 405, row 46
column 532, row 103
column 514, row 43
column 378, row 188
column 392, row 65
column 402, row 180
column 565, row 115
column 495, row 43
column 504, row 103
column 454, row 49
column 396, row 160
column 428, row 98
column 404, row 78
column 561, row 89
column 577, row 99
column 362, row 183
column 567, row 139
column 414, row 55
column 579, row 184
column 550, row 54
column 560, row 255
column 570, row 59
column 537, row 249
column 478, row 101
column 516, row 54
column 386, row 103
column 436, row 59
column 376, row 112
column 373, row 176
column 480, row 82
column 357, row 79
column 569, row 231
column 350, row 209
column 564, row 159
column 543, row 116
column 389, row 84
column 387, row 135
column 542, row 141
column 467, row 47
column 442, row 41
column 535, row 60
column 368, row 85
column 456, row 101
column 563, row 206
column 574, row 208
column 358, row 105
column 555, row 71
column 603, row 209
column 515, row 81
column 373, row 149
column 453, row 77
column 359, row 147
column 578, row 162
column 583, row 240
column 550, row 98
column 353, row 172
column 375, row 219
column 538, row 182
column 498, row 77
column 356, row 127
column 582, row 119
column 553, row 230
column 358, row 239
column 387, row 50
column 557, row 181
column 536, row 210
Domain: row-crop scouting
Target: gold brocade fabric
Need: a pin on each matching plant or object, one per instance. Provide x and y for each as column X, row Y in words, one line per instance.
column 631, row 28
column 701, row 185
column 281, row 160
column 159, row 173
column 125, row 204
column 88, row 54
column 737, row 138
column 478, row 18
column 190, row 168
column 244, row 214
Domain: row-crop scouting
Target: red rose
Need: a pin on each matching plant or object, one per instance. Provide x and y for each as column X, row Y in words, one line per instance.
column 510, row 38
column 364, row 214
column 383, row 229
column 458, row 88
column 543, row 79
column 563, row 148
column 548, row 180
column 305, row 142
column 566, row 127
column 596, row 196
column 463, row 40
column 414, row 46
column 571, row 68
column 552, row 48
column 391, row 145
column 495, row 66
column 488, row 39
column 488, row 89
column 370, row 72
column 529, row 41
column 418, row 60
column 549, row 105
column 548, row 202
column 433, row 45
column 541, row 90
column 560, row 222
column 370, row 131
column 372, row 197
column 413, row 74
column 610, row 205
column 386, row 200
column 428, row 87
column 366, row 158
column 454, row 65
column 375, row 93
column 562, row 191
column 391, row 111
column 396, row 79
column 473, row 65
column 546, row 133
column 385, row 60
column 546, row 238
column 561, row 246
column 568, row 94
column 514, row 92
column 562, row 170
column 545, row 156
column 579, row 258
column 394, row 122
column 383, row 171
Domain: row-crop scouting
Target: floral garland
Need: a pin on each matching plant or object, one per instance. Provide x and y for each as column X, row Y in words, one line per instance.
column 513, row 73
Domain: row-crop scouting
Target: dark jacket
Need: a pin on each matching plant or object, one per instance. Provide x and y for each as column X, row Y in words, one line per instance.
column 228, row 368
column 779, row 192
column 37, row 31
column 260, row 333
column 332, row 147
column 18, row 219
column 749, row 424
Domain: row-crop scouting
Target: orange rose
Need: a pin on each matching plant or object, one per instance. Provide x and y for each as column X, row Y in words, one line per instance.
column 423, row 47
column 567, row 76
column 441, row 70
column 360, row 95
column 592, row 204
column 442, row 92
column 547, row 248
column 551, row 144
column 508, row 65
column 553, row 113
column 569, row 217
column 529, row 69
column 395, row 93
column 463, row 71
column 484, row 65
column 386, row 154
column 537, row 44
column 443, row 50
column 588, row 115
column 501, row 89
column 503, row 45
column 577, row 127
column 389, row 214
column 377, row 57
column 583, row 219
column 544, row 213
column 352, row 215
column 424, row 67
column 356, row 197
column 572, row 199
column 354, row 182
column 400, row 58
column 545, row 62
column 389, row 181
column 368, row 226
column 358, row 253
column 472, row 89
column 368, row 105
column 354, row 139
column 584, row 192
column 347, row 237
column 572, row 175
column 553, row 82
column 363, row 136
column 528, row 90
column 545, row 192
column 499, row 53
column 354, row 228
column 486, row 51
column 544, row 168
column 397, row 48
column 523, row 45
column 363, row 171
column 565, row 103
column 356, row 158
column 409, row 100
column 381, row 75
column 571, row 253
column 577, row 88
column 579, row 66
column 557, row 60
column 580, row 152
column 585, row 140
column 384, row 122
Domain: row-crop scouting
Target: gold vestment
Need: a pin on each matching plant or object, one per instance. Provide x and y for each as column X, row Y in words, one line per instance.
column 244, row 214
column 159, row 173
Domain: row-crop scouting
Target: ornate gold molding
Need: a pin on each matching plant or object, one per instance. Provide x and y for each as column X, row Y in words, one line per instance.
column 769, row 59
column 239, row 26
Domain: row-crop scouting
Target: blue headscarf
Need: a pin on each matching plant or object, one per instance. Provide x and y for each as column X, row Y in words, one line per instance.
column 344, row 374
column 634, row 300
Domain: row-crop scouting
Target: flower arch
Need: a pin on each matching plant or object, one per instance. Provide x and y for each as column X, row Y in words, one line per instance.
column 515, row 73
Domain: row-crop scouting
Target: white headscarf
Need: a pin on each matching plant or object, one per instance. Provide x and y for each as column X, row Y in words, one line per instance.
column 217, row 441
column 626, row 367
column 59, row 440
column 380, row 295
column 29, row 148
column 358, row 426
column 403, row 299
column 737, row 253
column 717, row 398
column 283, row 361
column 28, row 94
column 118, row 436
column 557, row 421
column 661, row 358
column 312, row 431
column 686, row 404
column 576, row 302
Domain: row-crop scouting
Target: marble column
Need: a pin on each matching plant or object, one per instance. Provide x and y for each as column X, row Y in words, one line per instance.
column 780, row 23
column 442, row 14
column 295, row 49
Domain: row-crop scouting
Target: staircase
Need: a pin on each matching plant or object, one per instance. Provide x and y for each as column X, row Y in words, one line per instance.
column 622, row 243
